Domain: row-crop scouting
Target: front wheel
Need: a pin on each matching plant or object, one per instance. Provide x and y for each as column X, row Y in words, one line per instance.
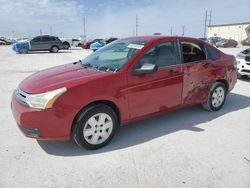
column 95, row 126
column 216, row 97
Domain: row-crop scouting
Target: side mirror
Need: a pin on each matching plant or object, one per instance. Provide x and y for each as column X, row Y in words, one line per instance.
column 146, row 68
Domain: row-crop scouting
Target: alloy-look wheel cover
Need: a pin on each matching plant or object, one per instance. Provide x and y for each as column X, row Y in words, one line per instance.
column 98, row 128
column 218, row 97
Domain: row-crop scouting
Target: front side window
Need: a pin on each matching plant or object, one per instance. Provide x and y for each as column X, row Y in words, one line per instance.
column 163, row 55
column 192, row 52
column 113, row 56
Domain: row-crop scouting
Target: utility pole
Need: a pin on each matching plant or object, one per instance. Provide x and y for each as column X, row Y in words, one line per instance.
column 136, row 26
column 205, row 28
column 50, row 30
column 41, row 32
column 210, row 17
column 84, row 26
column 171, row 31
column 13, row 34
column 183, row 30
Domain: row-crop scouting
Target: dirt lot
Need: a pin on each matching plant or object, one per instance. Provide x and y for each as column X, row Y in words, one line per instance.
column 186, row 148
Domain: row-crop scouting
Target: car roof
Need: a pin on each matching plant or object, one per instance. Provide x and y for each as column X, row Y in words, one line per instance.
column 153, row 38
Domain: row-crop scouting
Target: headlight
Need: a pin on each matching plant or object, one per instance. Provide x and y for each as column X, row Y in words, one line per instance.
column 44, row 100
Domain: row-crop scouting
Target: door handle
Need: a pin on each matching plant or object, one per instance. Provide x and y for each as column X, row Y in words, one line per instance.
column 206, row 65
column 173, row 72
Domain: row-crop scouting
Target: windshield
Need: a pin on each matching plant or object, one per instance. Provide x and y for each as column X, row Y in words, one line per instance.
column 113, row 56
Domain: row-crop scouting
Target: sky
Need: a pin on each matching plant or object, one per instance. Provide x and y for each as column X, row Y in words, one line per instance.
column 106, row 18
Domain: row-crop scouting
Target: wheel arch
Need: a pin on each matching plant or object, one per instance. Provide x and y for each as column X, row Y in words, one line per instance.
column 224, row 82
column 109, row 103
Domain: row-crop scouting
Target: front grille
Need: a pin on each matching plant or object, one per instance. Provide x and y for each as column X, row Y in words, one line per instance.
column 21, row 96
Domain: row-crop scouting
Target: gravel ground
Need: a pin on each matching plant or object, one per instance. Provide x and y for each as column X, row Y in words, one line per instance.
column 185, row 148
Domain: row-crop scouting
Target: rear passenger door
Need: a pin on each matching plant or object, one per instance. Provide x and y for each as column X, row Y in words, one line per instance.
column 199, row 72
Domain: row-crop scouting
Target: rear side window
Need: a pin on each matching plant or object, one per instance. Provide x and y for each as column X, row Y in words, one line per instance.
column 212, row 53
column 192, row 52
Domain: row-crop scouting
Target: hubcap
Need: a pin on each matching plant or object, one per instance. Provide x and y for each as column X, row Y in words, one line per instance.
column 98, row 128
column 54, row 49
column 218, row 97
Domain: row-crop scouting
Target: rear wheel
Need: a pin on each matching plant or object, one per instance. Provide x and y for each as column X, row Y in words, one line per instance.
column 66, row 45
column 216, row 97
column 95, row 126
column 54, row 49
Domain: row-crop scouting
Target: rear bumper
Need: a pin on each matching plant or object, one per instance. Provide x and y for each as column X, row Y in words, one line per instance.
column 50, row 124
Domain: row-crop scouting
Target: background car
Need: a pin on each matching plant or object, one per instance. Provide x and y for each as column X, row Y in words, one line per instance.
column 243, row 63
column 246, row 42
column 5, row 41
column 39, row 43
column 86, row 45
column 110, row 40
column 97, row 45
column 69, row 42
column 227, row 43
column 214, row 40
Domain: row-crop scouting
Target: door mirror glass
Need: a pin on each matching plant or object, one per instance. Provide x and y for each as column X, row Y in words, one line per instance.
column 146, row 68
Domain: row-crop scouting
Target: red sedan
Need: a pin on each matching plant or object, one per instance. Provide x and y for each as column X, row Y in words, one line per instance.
column 129, row 79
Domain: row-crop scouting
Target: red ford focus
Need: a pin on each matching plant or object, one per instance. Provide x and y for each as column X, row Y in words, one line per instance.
column 127, row 80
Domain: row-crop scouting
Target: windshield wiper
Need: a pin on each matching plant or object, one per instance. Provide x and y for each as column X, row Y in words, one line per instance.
column 88, row 65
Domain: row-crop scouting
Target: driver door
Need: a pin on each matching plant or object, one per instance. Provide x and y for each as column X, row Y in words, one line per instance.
column 159, row 91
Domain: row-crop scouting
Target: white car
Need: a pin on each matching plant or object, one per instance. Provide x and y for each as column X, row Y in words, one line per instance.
column 243, row 63
column 69, row 42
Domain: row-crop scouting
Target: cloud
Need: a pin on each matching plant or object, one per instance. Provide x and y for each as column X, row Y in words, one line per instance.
column 28, row 17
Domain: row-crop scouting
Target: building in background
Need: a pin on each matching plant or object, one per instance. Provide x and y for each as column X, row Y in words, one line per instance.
column 236, row 31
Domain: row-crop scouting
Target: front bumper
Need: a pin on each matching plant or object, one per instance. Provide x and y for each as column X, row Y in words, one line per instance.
column 49, row 124
column 243, row 67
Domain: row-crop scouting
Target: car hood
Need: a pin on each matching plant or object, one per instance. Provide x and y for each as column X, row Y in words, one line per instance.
column 67, row 75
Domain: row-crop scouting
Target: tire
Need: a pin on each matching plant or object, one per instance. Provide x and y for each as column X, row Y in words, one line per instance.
column 66, row 45
column 216, row 97
column 54, row 49
column 95, row 126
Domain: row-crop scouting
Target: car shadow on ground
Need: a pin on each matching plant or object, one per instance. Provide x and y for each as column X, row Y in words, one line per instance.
column 48, row 52
column 151, row 128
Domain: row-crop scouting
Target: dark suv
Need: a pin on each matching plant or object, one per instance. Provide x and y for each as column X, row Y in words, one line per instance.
column 46, row 42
